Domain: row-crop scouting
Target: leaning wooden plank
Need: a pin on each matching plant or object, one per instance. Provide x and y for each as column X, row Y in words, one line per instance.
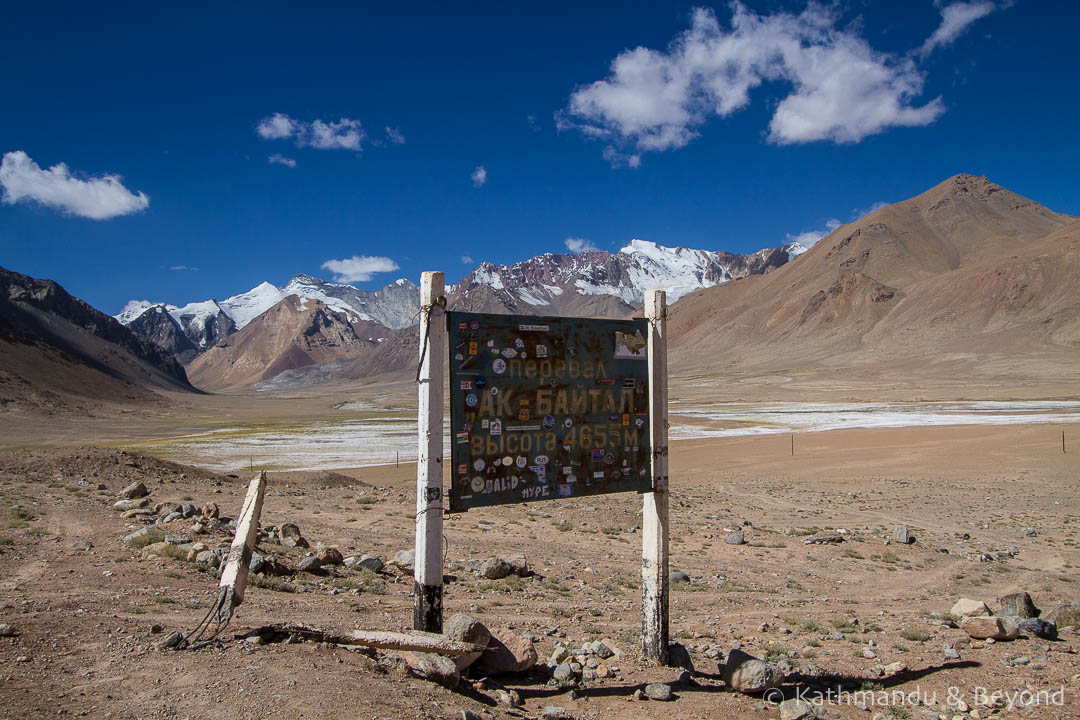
column 382, row 640
column 234, row 577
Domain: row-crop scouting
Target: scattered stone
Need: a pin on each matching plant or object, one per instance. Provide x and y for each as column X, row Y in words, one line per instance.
column 177, row 539
column 505, row 654
column 188, row 510
column 824, row 538
column 894, row 668
column 139, row 535
column 82, row 545
column 901, row 534
column 659, row 691
column 996, row 628
column 210, row 510
column 553, row 712
column 7, row 630
column 136, row 504
column 134, row 490
column 563, row 672
column 208, row 557
column 965, row 607
column 171, row 640
column 603, row 671
column 509, row 698
column 1028, row 532
column 467, row 629
column 638, row 695
column 404, row 559
column 949, row 652
column 330, row 556
column 519, row 565
column 750, row 675
column 678, row 576
column 1039, row 628
column 1018, row 605
column 494, row 568
column 470, row 715
column 258, row 562
column 735, row 538
column 311, row 564
column 169, row 517
column 796, row 709
column 1064, row 615
column 291, row 537
column 194, row 550
column 869, row 654
column 435, row 668
column 164, row 508
column 374, row 563
column 679, row 656
column 601, row 650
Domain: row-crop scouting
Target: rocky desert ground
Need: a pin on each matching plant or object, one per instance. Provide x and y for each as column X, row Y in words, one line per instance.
column 792, row 559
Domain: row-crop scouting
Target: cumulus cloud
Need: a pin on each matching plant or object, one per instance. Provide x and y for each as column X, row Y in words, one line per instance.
column 955, row 19
column 277, row 159
column 466, row 260
column 479, row 176
column 580, row 245
column 394, row 136
column 810, row 238
column 359, row 268
column 344, row 134
column 841, row 89
column 97, row 198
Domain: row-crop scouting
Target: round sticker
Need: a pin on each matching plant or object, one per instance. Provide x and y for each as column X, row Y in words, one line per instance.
column 471, row 400
column 499, row 366
column 549, row 422
column 508, row 461
column 480, row 383
column 477, row 484
column 509, row 353
column 640, row 422
column 568, row 423
column 541, row 459
column 475, row 324
column 459, row 357
column 521, row 461
column 494, row 390
column 524, row 355
column 609, row 459
column 478, row 463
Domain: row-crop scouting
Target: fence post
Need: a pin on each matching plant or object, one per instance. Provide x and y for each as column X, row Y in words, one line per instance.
column 428, row 562
column 654, row 535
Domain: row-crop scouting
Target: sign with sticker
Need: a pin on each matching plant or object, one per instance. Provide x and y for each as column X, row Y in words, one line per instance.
column 576, row 405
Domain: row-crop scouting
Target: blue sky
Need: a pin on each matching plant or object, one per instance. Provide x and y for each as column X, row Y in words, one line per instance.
column 730, row 127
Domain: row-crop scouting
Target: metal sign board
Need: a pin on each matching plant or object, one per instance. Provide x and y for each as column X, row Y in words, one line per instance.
column 546, row 407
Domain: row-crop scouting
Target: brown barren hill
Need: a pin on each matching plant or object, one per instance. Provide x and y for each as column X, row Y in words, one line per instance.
column 295, row 333
column 966, row 278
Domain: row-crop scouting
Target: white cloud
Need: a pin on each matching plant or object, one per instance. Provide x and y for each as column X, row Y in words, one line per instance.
column 394, row 136
column 580, row 245
column 874, row 207
column 276, row 127
column 466, row 260
column 810, row 238
column 358, row 268
column 842, row 90
column 955, row 19
column 277, row 159
column 97, row 198
column 345, row 134
column 479, row 176
column 183, row 267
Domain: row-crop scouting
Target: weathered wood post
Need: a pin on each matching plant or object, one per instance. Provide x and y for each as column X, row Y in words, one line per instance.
column 428, row 562
column 654, row 536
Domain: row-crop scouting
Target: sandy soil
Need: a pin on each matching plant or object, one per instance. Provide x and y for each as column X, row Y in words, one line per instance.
column 86, row 645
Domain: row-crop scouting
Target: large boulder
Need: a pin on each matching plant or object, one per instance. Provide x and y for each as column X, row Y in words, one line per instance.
column 750, row 675
column 966, row 607
column 468, row 629
column 984, row 628
column 1039, row 628
column 134, row 490
column 494, row 568
column 1018, row 605
column 505, row 654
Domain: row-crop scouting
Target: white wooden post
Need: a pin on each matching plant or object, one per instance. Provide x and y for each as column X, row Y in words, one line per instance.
column 654, row 535
column 428, row 562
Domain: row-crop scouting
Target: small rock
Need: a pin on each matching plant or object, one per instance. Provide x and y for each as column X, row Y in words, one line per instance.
column 139, row 535
column 466, row 628
column 194, row 550
column 1039, row 628
column 563, row 672
column 735, row 538
column 169, row 517
column 659, row 691
column 7, row 630
column 966, row 607
column 1028, row 532
column 678, row 576
column 177, row 539
column 210, row 510
column 509, row 698
column 750, row 675
column 330, row 556
column 869, row 654
column 171, row 640
column 949, row 652
column 601, row 650
column 506, row 653
column 188, row 510
column 894, row 668
column 603, row 671
column 81, row 545
column 679, row 656
column 311, row 564
column 796, row 709
column 208, row 557
column 134, row 490
column 404, row 559
column 164, row 508
column 257, row 563
column 996, row 628
column 494, row 568
column 901, row 534
column 553, row 712
column 374, row 563
column 825, row 538
column 136, row 504
column 1018, row 605
column 435, row 668
column 638, row 695
column 1064, row 615
column 290, row 535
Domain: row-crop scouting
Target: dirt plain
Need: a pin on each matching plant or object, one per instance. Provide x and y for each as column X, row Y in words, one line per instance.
column 87, row 622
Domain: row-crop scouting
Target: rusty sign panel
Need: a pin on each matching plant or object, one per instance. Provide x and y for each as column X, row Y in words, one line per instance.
column 546, row 407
